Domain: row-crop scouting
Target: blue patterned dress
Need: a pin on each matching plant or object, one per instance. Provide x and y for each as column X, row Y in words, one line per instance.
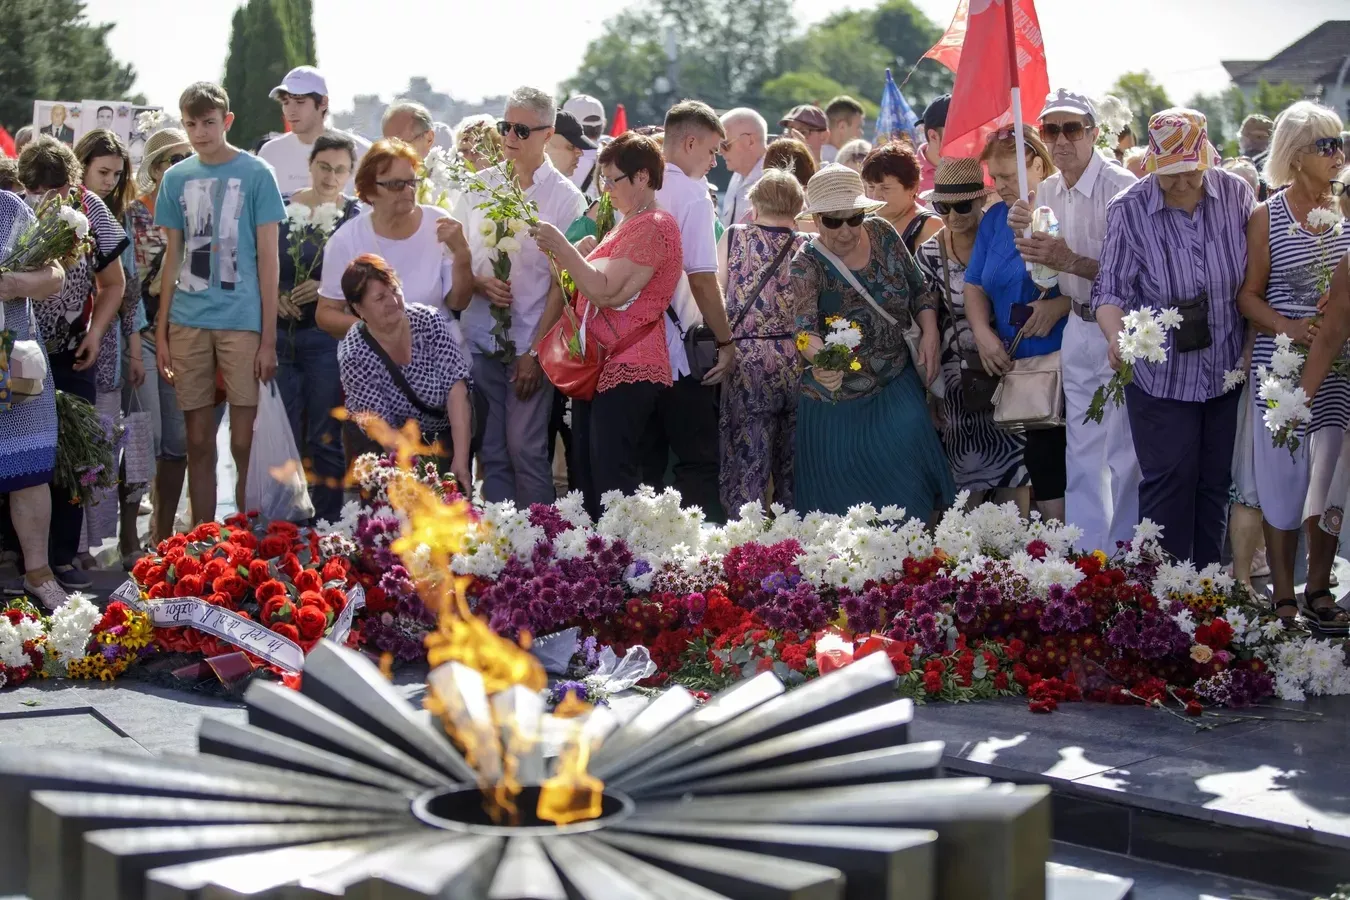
column 759, row 399
column 27, row 432
column 873, row 443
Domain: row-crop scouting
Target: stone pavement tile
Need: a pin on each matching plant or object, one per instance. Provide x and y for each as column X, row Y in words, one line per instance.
column 40, row 730
column 160, row 719
column 1154, row 881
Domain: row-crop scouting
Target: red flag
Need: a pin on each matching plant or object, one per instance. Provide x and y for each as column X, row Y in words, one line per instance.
column 7, row 143
column 620, row 121
column 982, row 98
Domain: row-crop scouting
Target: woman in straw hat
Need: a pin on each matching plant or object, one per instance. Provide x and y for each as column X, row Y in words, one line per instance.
column 163, row 149
column 986, row 460
column 865, row 436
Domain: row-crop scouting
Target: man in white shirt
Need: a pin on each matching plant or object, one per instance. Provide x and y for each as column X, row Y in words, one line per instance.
column 410, row 122
column 506, row 369
column 688, row 411
column 590, row 112
column 743, row 148
column 303, row 96
column 845, row 117
column 1102, row 495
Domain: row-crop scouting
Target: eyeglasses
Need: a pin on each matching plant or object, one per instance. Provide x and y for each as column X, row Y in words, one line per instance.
column 1074, row 131
column 730, row 142
column 1328, row 146
column 1338, row 188
column 177, row 158
column 340, row 171
column 613, row 181
column 395, row 185
column 832, row 222
column 522, row 131
column 960, row 208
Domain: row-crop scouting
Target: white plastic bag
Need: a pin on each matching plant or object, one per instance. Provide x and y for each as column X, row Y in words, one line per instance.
column 276, row 477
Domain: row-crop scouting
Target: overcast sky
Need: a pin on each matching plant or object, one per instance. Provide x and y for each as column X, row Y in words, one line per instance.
column 473, row 49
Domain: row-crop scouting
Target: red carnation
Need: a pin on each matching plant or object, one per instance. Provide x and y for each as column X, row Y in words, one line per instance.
column 308, row 580
column 311, row 622
column 273, row 546
column 220, row 598
column 336, row 569
column 290, row 566
column 185, row 567
column 258, row 572
column 189, row 586
column 207, row 531
column 932, row 683
column 216, row 568
column 142, row 568
column 1001, row 681
column 287, row 631
column 269, row 589
column 233, row 585
column 336, row 598
column 14, row 616
column 159, row 590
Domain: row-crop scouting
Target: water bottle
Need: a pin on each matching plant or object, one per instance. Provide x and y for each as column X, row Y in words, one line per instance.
column 1043, row 220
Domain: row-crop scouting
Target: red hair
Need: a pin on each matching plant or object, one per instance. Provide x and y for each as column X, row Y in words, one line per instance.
column 381, row 155
column 361, row 271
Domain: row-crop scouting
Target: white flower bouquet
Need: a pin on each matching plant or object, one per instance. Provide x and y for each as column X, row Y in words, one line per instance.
column 59, row 234
column 1113, row 116
column 1141, row 339
column 1287, row 406
column 309, row 228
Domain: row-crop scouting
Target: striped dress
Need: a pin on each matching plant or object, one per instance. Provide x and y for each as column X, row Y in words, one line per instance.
column 1293, row 488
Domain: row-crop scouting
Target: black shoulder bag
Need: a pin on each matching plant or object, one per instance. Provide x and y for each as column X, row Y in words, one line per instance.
column 356, row 440
column 977, row 385
column 769, row 272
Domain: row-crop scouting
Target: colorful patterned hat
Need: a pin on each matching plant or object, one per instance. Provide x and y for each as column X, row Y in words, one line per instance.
column 1178, row 141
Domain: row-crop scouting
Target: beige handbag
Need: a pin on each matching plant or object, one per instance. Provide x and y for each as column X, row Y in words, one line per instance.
column 25, row 366
column 1031, row 396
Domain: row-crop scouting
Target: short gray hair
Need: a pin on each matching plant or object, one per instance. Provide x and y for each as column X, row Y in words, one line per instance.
column 539, row 102
column 1295, row 129
column 421, row 115
column 746, row 115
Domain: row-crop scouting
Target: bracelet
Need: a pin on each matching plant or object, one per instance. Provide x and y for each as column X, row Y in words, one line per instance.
column 727, row 343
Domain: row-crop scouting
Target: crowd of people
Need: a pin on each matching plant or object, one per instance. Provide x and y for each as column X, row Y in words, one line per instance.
column 324, row 264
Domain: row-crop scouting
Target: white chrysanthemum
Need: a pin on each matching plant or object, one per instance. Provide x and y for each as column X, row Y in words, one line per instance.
column 12, row 639
column 325, row 217
column 1234, row 378
column 1322, row 218
column 70, row 628
column 1147, row 531
column 297, row 215
column 75, row 220
column 1183, row 618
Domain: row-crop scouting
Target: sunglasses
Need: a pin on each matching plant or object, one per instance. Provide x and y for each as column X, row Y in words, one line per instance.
column 394, row 185
column 960, row 208
column 1338, row 188
column 853, row 221
column 1328, row 146
column 177, row 158
column 1074, row 131
column 731, row 142
column 522, row 131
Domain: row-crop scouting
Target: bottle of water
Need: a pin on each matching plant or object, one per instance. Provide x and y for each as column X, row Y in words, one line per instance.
column 1043, row 220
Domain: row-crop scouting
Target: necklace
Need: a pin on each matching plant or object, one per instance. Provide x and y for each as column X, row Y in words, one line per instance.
column 1300, row 218
column 648, row 205
column 951, row 247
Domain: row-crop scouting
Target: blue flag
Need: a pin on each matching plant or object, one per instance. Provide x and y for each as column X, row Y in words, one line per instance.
column 896, row 115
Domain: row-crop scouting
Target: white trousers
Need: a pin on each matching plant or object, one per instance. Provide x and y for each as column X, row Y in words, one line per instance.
column 1102, row 493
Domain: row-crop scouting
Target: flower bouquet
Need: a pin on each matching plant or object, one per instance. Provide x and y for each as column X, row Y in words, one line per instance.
column 308, row 227
column 86, row 449
column 841, row 343
column 60, row 233
column 1287, row 406
column 75, row 641
column 1142, row 338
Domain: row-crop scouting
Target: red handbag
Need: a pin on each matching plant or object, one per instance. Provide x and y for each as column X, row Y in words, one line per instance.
column 576, row 371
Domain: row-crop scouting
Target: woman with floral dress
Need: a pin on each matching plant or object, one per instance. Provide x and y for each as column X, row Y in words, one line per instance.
column 986, row 460
column 759, row 399
column 865, row 436
column 28, row 432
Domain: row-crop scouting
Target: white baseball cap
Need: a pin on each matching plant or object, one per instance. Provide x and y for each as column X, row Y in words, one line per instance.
column 587, row 109
column 301, row 80
column 1062, row 101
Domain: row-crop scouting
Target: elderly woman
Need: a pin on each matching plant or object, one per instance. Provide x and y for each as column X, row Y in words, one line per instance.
column 999, row 291
column 412, row 238
column 891, row 173
column 864, row 436
column 307, row 367
column 759, row 398
column 624, row 303
column 986, row 460
column 28, row 431
column 1177, row 240
column 402, row 363
column 1292, row 246
column 72, row 326
column 853, row 154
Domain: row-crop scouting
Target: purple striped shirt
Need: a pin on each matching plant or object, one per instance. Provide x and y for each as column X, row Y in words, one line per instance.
column 1158, row 256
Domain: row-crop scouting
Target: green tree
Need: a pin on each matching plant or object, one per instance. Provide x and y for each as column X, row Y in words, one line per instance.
column 726, row 51
column 1143, row 95
column 1273, row 99
column 1221, row 131
column 622, row 65
column 51, row 51
column 904, row 30
column 1235, row 105
column 786, row 91
column 843, row 49
column 268, row 38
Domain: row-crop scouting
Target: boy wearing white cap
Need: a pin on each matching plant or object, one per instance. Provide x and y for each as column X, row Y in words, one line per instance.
column 1102, row 492
column 303, row 95
column 590, row 112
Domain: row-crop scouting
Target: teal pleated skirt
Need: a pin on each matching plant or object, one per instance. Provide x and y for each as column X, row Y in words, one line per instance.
column 881, row 450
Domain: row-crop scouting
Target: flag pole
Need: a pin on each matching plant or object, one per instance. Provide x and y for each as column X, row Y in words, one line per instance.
column 1016, row 102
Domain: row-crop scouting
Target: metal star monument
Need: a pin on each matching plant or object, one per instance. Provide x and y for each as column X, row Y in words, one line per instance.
column 343, row 789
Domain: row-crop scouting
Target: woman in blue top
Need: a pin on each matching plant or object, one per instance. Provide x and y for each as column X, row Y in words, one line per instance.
column 1001, row 300
column 307, row 362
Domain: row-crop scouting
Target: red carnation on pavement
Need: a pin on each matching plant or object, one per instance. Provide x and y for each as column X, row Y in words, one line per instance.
column 189, row 586
column 308, row 580
column 312, row 622
column 269, row 589
column 273, row 546
column 336, row 569
column 287, row 631
column 258, row 572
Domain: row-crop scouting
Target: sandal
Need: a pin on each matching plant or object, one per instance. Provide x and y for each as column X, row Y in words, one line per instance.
column 1329, row 619
column 1288, row 621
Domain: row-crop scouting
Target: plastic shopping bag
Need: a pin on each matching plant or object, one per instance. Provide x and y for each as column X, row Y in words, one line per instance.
column 138, row 445
column 276, row 477
column 1244, row 453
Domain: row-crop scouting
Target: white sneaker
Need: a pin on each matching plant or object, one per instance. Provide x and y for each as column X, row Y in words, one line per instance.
column 50, row 594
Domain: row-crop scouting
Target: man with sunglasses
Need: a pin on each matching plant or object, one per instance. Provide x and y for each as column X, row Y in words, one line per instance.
column 1102, row 491
column 506, row 374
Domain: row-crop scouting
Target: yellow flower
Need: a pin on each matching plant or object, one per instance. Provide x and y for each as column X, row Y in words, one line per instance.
column 803, row 340
column 830, row 320
column 1099, row 556
column 1201, row 653
column 855, row 365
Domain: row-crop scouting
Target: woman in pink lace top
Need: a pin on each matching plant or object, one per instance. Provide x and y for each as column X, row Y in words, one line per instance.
column 624, row 287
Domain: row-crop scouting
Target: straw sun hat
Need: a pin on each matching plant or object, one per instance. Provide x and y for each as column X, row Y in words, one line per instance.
column 837, row 189
column 957, row 179
column 161, row 145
